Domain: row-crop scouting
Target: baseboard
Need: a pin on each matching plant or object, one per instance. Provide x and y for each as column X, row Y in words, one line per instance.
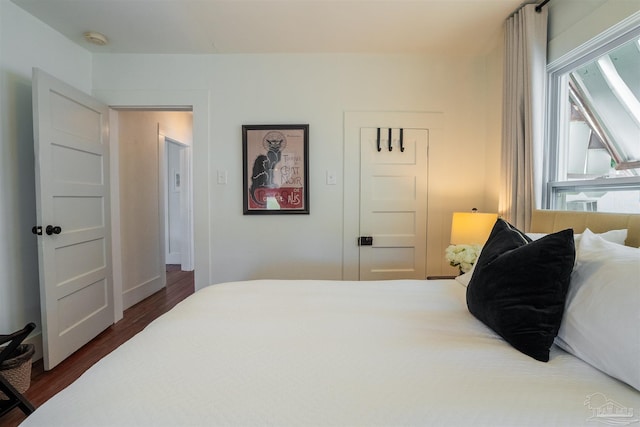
column 136, row 294
column 36, row 340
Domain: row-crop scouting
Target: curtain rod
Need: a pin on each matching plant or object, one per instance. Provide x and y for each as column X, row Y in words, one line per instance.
column 541, row 5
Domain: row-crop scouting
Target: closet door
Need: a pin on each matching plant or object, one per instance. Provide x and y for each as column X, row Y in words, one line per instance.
column 393, row 203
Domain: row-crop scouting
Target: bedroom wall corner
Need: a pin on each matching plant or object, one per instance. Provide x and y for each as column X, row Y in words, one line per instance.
column 275, row 88
column 25, row 42
column 493, row 153
column 465, row 172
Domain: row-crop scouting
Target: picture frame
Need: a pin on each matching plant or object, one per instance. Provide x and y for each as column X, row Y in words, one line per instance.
column 275, row 169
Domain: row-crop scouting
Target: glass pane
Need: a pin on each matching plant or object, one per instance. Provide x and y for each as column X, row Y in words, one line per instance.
column 604, row 134
column 620, row 201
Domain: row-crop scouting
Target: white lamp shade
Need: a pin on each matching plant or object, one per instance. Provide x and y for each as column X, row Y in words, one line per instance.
column 471, row 227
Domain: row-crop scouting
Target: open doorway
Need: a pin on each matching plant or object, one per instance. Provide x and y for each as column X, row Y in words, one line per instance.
column 177, row 202
column 146, row 183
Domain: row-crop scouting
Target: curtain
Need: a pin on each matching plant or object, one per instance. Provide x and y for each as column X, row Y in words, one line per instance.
column 523, row 115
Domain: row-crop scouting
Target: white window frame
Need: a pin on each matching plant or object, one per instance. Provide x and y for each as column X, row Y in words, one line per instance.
column 558, row 109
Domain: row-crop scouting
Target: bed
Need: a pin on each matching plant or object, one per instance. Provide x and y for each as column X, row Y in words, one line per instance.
column 339, row 353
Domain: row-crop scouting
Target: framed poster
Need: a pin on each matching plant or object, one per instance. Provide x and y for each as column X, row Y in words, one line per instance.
column 275, row 169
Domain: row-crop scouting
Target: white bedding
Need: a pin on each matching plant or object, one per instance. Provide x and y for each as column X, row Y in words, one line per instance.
column 325, row 353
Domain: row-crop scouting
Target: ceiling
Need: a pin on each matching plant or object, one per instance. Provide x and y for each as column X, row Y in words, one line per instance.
column 279, row 26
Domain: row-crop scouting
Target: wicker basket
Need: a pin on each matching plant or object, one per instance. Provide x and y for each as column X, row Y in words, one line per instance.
column 17, row 369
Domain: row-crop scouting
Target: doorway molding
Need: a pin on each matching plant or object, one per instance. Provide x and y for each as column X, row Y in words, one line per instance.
column 136, row 285
column 198, row 102
column 353, row 122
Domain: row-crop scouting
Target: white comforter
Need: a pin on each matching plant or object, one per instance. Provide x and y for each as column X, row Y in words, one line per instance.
column 326, row 353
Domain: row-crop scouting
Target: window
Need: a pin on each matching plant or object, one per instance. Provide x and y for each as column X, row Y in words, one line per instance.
column 593, row 160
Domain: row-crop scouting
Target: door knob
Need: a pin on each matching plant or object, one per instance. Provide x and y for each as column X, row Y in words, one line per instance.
column 37, row 230
column 51, row 229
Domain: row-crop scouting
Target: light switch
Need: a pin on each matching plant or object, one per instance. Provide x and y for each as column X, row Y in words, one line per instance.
column 222, row 176
column 331, row 177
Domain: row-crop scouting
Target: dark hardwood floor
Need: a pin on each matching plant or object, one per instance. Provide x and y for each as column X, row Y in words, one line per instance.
column 45, row 384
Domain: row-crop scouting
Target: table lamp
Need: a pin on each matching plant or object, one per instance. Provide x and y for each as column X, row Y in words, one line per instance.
column 469, row 231
column 471, row 227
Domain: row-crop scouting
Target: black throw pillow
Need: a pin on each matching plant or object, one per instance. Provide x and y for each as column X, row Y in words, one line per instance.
column 519, row 287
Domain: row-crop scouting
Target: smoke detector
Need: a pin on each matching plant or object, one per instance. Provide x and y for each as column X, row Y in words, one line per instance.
column 95, row 38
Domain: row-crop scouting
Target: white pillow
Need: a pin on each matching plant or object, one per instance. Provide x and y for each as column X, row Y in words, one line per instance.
column 615, row 236
column 465, row 278
column 601, row 322
column 536, row 236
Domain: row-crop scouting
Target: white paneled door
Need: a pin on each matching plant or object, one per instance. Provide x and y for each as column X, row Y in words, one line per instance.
column 393, row 203
column 72, row 198
column 173, row 207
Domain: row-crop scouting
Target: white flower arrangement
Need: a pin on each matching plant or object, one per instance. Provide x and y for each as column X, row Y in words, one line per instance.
column 462, row 256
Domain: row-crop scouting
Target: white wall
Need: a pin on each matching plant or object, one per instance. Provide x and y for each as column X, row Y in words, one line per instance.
column 575, row 22
column 318, row 89
column 25, row 43
column 313, row 89
column 141, row 223
column 493, row 117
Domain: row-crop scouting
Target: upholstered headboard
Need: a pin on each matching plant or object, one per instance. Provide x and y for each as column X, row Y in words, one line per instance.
column 549, row 221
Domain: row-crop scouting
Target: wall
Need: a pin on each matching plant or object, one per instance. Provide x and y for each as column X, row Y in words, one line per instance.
column 318, row 89
column 575, row 22
column 25, row 43
column 313, row 89
column 141, row 225
column 493, row 117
